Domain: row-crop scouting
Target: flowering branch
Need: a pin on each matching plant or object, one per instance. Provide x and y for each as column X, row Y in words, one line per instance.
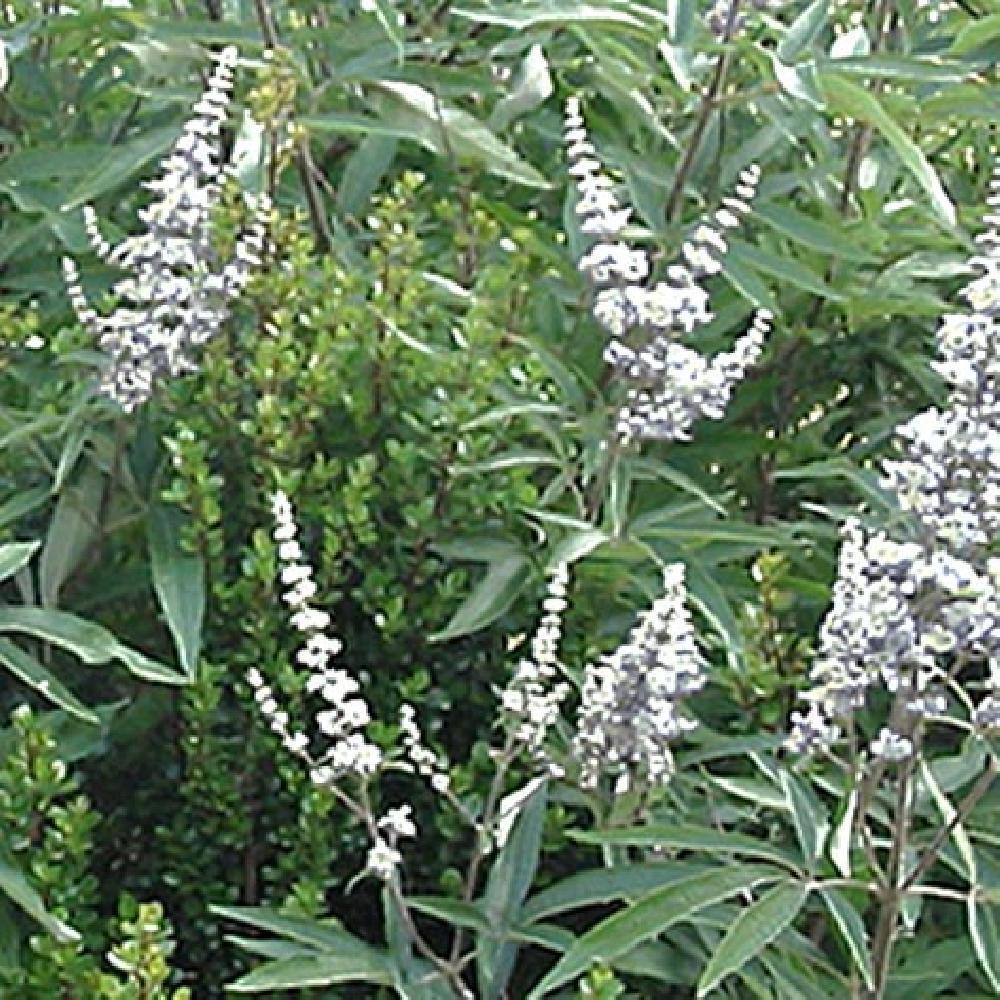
column 177, row 294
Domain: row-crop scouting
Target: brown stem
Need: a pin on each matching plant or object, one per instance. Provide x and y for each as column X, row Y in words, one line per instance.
column 892, row 894
column 965, row 807
column 303, row 161
column 482, row 843
column 709, row 103
column 884, row 21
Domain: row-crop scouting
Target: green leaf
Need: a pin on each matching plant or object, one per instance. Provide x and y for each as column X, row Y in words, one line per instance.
column 140, row 665
column 787, row 270
column 452, row 911
column 72, row 530
column 840, row 842
column 604, row 885
column 650, row 916
column 811, row 822
column 507, row 887
column 91, row 642
column 531, row 88
column 864, row 480
column 391, row 21
column 450, row 132
column 949, row 816
column 179, row 582
column 755, row 928
column 693, row 838
column 23, row 503
column 803, row 31
column 365, row 168
column 978, row 32
column 681, row 20
column 828, row 238
column 317, row 970
column 14, row 556
column 856, row 102
column 17, row 888
column 521, row 16
column 119, row 164
column 985, row 933
column 739, row 271
column 317, row 934
column 892, row 67
column 491, row 598
column 29, row 671
column 852, row 930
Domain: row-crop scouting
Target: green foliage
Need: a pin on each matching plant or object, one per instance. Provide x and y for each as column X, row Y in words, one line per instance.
column 46, row 869
column 415, row 365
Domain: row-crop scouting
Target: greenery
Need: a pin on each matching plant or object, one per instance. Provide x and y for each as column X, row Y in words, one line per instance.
column 411, row 356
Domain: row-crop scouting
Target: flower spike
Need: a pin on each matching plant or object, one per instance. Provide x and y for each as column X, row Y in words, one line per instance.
column 177, row 291
column 905, row 612
column 670, row 385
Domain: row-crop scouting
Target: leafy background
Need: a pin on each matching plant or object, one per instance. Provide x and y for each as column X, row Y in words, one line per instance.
column 422, row 372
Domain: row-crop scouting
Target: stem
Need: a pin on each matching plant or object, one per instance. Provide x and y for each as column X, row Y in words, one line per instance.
column 884, row 19
column 893, row 893
column 965, row 807
column 482, row 842
column 709, row 103
column 303, row 161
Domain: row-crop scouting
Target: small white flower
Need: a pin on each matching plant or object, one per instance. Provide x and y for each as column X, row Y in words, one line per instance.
column 383, row 860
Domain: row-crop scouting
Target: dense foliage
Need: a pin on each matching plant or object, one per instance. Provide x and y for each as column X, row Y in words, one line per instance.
column 335, row 371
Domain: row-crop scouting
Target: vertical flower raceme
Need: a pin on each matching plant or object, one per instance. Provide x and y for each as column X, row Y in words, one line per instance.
column 344, row 713
column 913, row 613
column 532, row 699
column 630, row 710
column 669, row 384
column 177, row 290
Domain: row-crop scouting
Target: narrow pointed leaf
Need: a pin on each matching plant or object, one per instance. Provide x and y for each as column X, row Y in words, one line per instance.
column 15, row 555
column 179, row 582
column 852, row 930
column 695, row 838
column 803, row 31
column 755, row 928
column 856, row 102
column 650, row 917
column 29, row 671
column 20, row 891
column 91, row 642
column 317, row 970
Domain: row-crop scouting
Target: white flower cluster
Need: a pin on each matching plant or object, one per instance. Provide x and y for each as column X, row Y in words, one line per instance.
column 630, row 707
column 384, row 856
column 670, row 385
column 911, row 613
column 420, row 757
column 532, row 699
column 345, row 713
column 177, row 293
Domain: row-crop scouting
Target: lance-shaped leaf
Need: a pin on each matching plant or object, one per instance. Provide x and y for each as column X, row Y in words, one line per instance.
column 651, row 916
